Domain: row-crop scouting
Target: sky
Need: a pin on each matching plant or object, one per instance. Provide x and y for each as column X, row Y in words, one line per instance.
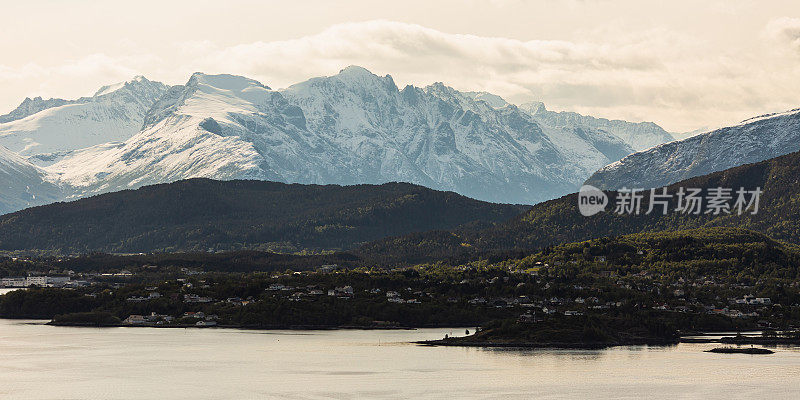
column 685, row 65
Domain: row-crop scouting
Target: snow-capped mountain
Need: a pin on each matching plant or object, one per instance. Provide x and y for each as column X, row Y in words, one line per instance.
column 23, row 184
column 354, row 127
column 638, row 135
column 44, row 131
column 209, row 127
column 31, row 106
column 351, row 128
column 750, row 141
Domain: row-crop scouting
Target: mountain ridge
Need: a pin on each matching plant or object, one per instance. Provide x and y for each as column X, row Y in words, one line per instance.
column 752, row 140
column 349, row 128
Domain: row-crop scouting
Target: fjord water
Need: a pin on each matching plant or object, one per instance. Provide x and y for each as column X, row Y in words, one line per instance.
column 47, row 362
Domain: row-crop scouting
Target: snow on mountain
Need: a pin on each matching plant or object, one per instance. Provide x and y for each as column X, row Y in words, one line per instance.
column 638, row 135
column 354, row 127
column 31, row 106
column 750, row 141
column 491, row 99
column 23, row 184
column 692, row 133
column 44, row 131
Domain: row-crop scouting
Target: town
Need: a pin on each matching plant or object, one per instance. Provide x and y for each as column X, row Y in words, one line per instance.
column 528, row 292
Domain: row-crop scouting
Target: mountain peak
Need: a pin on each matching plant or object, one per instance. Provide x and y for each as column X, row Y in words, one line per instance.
column 234, row 83
column 357, row 74
column 533, row 107
column 355, row 70
column 31, row 106
column 107, row 89
column 493, row 100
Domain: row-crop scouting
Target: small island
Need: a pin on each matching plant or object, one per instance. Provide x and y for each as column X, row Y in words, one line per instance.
column 740, row 350
column 575, row 332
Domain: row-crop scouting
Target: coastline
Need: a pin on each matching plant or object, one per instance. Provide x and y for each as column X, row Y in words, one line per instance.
column 251, row 327
column 456, row 342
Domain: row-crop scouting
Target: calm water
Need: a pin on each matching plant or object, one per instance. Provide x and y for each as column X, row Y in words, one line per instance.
column 44, row 362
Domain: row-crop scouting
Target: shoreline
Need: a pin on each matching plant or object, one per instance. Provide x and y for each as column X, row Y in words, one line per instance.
column 541, row 345
column 253, row 327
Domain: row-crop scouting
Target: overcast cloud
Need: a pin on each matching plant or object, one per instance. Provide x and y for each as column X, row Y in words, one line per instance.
column 580, row 56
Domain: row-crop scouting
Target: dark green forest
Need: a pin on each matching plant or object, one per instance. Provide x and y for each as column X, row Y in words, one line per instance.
column 559, row 221
column 208, row 215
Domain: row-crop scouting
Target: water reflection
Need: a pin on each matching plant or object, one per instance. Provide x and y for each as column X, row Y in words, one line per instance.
column 46, row 362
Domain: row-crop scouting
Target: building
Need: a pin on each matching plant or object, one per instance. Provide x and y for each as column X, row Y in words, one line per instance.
column 134, row 319
column 39, row 280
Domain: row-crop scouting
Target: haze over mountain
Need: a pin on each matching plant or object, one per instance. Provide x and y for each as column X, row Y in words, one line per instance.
column 753, row 140
column 639, row 136
column 354, row 127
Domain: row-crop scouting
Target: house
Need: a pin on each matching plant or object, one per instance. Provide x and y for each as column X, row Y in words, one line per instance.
column 37, row 280
column 193, row 298
column 396, row 300
column 762, row 300
column 528, row 318
column 346, row 290
column 134, row 319
column 205, row 323
column 14, row 282
column 328, row 268
column 341, row 292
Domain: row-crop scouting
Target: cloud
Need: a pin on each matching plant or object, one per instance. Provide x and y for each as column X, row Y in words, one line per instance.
column 654, row 75
column 786, row 30
column 673, row 78
column 79, row 76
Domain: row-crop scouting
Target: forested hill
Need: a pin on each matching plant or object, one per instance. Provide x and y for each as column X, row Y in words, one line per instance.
column 203, row 214
column 559, row 221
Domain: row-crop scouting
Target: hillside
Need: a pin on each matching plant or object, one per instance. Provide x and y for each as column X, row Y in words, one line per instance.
column 24, row 184
column 753, row 140
column 716, row 251
column 559, row 221
column 202, row 214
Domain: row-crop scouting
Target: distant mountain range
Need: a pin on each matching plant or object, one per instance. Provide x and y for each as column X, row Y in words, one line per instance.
column 752, row 140
column 207, row 215
column 351, row 128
